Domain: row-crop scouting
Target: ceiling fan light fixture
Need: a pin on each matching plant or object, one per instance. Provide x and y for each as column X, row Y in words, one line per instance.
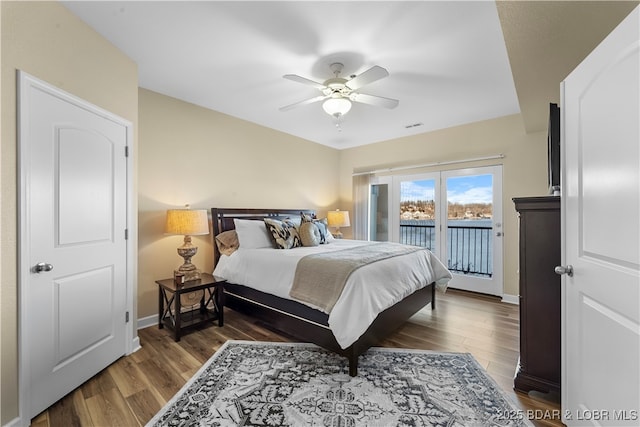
column 336, row 107
column 338, row 94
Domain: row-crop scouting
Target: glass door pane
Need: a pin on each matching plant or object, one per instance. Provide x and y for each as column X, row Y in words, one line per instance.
column 418, row 213
column 469, row 224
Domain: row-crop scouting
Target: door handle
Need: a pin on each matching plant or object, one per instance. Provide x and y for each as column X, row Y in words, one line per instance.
column 42, row 266
column 561, row 269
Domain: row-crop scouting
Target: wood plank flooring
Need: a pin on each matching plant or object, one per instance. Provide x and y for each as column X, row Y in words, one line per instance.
column 135, row 387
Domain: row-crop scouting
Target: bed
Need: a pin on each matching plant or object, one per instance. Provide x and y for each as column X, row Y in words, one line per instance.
column 370, row 306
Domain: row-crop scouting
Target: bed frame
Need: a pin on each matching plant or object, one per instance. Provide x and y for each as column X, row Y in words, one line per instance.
column 298, row 320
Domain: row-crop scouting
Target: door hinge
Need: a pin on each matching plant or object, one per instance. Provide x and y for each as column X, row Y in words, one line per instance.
column 126, row 234
column 126, row 317
column 126, row 151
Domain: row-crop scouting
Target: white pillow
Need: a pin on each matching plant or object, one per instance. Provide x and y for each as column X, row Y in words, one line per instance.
column 329, row 236
column 252, row 234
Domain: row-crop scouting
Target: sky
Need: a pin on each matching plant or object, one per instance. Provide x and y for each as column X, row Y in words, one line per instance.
column 460, row 189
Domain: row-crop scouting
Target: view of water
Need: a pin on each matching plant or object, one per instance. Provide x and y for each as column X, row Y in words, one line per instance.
column 469, row 243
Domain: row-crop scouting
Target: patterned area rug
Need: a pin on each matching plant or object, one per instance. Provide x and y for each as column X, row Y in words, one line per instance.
column 248, row 383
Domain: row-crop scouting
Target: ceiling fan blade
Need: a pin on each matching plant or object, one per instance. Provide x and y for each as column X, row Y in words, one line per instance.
column 301, row 103
column 371, row 75
column 303, row 80
column 378, row 101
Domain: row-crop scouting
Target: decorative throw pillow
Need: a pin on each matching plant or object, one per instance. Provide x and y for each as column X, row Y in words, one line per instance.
column 309, row 234
column 322, row 224
column 227, row 242
column 305, row 217
column 284, row 233
column 252, row 234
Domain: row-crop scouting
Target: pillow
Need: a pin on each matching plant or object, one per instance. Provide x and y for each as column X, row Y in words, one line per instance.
column 322, row 224
column 309, row 234
column 285, row 233
column 227, row 242
column 329, row 236
column 304, row 217
column 252, row 234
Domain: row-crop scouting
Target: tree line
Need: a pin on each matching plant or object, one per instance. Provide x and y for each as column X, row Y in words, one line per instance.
column 456, row 210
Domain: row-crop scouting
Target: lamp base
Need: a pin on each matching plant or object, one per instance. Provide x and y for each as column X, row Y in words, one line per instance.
column 337, row 234
column 187, row 251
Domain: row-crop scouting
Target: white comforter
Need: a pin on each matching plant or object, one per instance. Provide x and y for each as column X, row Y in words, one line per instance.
column 368, row 291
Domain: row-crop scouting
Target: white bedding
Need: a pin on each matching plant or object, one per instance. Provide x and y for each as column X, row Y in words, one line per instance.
column 369, row 290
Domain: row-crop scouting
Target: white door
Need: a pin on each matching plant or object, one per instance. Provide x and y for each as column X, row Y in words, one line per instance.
column 457, row 214
column 73, row 283
column 600, row 211
column 473, row 220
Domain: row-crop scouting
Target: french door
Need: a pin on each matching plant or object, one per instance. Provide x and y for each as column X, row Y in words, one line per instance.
column 473, row 222
column 456, row 214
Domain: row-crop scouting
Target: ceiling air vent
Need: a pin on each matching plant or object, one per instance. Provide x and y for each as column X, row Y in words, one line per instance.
column 413, row 125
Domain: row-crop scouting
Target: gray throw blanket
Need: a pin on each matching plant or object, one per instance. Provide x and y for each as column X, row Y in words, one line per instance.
column 320, row 278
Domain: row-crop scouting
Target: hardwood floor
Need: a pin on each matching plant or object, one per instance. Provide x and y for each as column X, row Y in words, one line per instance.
column 135, row 387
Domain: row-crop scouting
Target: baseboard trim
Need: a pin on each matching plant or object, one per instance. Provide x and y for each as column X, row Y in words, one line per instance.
column 145, row 322
column 511, row 299
column 16, row 422
column 135, row 345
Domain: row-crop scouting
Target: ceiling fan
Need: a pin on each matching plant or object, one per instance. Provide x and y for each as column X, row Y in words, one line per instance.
column 338, row 92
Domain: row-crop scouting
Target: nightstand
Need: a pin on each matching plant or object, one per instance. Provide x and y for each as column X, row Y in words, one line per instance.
column 210, row 308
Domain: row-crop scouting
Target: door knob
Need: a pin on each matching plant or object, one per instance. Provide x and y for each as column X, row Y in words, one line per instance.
column 561, row 269
column 42, row 266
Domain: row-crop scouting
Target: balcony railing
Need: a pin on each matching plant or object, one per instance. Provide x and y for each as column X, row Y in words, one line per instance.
column 469, row 247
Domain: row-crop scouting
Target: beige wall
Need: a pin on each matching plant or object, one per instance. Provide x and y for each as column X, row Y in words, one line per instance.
column 189, row 154
column 233, row 163
column 524, row 167
column 46, row 41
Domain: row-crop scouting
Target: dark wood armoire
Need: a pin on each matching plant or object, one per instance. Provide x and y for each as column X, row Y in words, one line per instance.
column 539, row 366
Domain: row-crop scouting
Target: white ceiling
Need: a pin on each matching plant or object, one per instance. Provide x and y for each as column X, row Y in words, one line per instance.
column 447, row 60
column 450, row 62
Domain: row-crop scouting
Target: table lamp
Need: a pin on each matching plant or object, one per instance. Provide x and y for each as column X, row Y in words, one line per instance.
column 338, row 219
column 188, row 223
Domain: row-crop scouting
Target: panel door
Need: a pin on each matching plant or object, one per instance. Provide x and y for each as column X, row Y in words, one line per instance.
column 600, row 211
column 74, row 220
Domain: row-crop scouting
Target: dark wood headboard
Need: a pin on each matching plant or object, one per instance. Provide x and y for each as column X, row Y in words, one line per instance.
column 222, row 219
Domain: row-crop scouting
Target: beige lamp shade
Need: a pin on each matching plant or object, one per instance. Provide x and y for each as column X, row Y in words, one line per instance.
column 338, row 218
column 187, row 222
